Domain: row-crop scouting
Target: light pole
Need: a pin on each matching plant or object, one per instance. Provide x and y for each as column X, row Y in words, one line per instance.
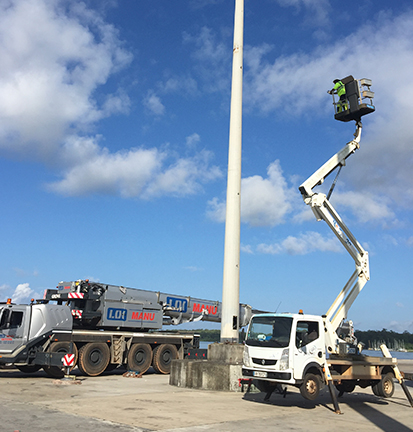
column 230, row 287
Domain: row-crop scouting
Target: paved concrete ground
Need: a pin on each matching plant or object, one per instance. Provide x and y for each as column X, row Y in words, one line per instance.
column 112, row 403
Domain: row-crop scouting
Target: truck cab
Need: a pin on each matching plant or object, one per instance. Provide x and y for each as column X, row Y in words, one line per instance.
column 284, row 348
column 24, row 329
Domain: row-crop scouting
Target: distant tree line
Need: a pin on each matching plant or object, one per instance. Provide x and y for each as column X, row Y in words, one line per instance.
column 373, row 338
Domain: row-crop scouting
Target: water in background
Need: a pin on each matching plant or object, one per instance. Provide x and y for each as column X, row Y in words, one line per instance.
column 397, row 354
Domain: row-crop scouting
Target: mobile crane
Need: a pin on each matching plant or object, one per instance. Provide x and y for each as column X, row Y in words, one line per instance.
column 103, row 326
column 309, row 351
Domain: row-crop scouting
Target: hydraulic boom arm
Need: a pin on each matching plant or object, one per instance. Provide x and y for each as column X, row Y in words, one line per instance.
column 323, row 209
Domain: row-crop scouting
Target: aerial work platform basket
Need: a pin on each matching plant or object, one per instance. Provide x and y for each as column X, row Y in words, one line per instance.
column 359, row 100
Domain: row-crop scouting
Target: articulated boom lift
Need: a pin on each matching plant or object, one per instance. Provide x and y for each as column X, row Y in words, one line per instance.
column 309, row 351
column 323, row 210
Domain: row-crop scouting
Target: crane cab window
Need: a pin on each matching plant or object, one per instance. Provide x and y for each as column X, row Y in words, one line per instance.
column 4, row 314
column 307, row 332
column 16, row 319
column 10, row 319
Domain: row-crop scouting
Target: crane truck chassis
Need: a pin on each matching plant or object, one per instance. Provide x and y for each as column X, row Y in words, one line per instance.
column 104, row 326
column 309, row 351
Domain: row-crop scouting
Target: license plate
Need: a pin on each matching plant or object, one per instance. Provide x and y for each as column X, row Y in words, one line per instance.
column 260, row 374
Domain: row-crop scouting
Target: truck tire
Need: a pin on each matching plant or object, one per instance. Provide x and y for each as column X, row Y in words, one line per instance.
column 140, row 357
column 163, row 356
column 29, row 368
column 346, row 386
column 59, row 347
column 93, row 358
column 310, row 388
column 385, row 387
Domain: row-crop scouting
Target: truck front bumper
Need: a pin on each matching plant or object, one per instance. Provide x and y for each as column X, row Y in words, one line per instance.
column 279, row 376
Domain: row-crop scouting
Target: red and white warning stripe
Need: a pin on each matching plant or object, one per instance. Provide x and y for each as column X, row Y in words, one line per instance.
column 77, row 313
column 75, row 295
column 69, row 360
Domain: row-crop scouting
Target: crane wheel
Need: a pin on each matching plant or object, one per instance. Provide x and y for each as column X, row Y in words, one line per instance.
column 163, row 356
column 140, row 357
column 60, row 347
column 29, row 368
column 310, row 388
column 93, row 358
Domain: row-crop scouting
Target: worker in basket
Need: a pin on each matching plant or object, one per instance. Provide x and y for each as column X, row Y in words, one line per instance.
column 340, row 89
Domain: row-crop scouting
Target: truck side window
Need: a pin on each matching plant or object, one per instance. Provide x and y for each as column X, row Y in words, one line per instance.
column 307, row 331
column 16, row 319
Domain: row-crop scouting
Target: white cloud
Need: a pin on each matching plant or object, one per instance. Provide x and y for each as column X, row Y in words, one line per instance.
column 140, row 172
column 193, row 140
column 110, row 173
column 53, row 59
column 246, row 249
column 22, row 292
column 184, row 177
column 153, row 103
column 380, row 50
column 264, row 201
column 365, row 206
column 401, row 326
column 56, row 57
column 194, row 268
column 213, row 60
column 304, row 244
column 318, row 9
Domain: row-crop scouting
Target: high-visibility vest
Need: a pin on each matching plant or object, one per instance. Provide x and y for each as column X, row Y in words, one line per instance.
column 340, row 88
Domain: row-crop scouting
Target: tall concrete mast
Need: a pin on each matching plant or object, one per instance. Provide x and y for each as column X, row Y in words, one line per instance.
column 230, row 289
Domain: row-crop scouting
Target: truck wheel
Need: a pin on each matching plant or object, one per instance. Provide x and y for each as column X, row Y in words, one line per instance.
column 29, row 368
column 163, row 356
column 140, row 357
column 59, row 347
column 375, row 388
column 346, row 386
column 93, row 358
column 310, row 388
column 385, row 387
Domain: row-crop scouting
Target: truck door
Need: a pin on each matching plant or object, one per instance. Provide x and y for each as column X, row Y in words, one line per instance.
column 14, row 323
column 308, row 346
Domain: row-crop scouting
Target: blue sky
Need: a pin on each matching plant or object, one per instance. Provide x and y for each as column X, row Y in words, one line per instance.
column 114, row 122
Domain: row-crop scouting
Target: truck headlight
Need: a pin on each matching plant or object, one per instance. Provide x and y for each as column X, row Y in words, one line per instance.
column 246, row 357
column 284, row 360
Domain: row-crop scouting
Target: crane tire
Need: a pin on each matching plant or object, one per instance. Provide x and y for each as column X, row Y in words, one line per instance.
column 140, row 357
column 28, row 369
column 163, row 356
column 60, row 347
column 94, row 358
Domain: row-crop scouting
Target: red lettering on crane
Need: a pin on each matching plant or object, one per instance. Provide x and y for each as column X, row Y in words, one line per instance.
column 136, row 315
column 197, row 307
column 209, row 308
column 147, row 316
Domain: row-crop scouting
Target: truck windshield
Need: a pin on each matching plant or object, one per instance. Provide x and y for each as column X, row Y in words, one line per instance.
column 269, row 331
